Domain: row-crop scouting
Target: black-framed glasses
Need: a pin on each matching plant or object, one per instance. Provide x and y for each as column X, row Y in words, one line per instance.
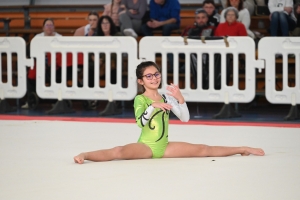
column 150, row 76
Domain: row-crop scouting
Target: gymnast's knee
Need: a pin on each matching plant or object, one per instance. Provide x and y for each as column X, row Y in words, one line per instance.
column 118, row 152
column 204, row 150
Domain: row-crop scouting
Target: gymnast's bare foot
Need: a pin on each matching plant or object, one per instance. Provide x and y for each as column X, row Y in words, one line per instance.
column 255, row 151
column 79, row 158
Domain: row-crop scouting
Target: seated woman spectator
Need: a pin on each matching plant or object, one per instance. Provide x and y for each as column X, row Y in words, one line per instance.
column 131, row 16
column 90, row 28
column 112, row 10
column 105, row 27
column 282, row 17
column 231, row 27
column 243, row 15
column 48, row 30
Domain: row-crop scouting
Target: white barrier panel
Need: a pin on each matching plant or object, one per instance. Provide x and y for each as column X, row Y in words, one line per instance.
column 13, row 46
column 268, row 48
column 88, row 46
column 150, row 46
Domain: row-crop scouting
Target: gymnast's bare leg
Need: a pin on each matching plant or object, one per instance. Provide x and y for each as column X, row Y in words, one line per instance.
column 127, row 152
column 183, row 149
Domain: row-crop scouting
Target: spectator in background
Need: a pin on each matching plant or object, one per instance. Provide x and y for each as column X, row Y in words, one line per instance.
column 296, row 31
column 249, row 4
column 90, row 28
column 164, row 15
column 105, row 27
column 213, row 16
column 112, row 10
column 282, row 17
column 243, row 13
column 48, row 30
column 131, row 16
column 231, row 27
column 200, row 28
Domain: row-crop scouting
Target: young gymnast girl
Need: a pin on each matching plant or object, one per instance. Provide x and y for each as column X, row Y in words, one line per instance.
column 152, row 116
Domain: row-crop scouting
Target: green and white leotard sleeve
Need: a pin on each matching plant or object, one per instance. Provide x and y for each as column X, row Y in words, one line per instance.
column 180, row 110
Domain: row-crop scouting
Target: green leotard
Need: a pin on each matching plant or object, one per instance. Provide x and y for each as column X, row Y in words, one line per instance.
column 155, row 122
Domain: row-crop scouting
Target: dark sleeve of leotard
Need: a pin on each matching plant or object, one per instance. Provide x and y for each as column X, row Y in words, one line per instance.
column 142, row 111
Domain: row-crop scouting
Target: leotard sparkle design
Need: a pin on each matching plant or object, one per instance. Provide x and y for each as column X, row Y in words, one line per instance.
column 155, row 122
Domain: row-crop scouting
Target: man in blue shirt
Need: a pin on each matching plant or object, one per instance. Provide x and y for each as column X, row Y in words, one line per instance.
column 164, row 15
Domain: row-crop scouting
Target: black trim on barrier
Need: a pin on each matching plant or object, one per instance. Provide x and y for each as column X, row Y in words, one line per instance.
column 5, row 107
column 111, row 109
column 227, row 112
column 61, row 107
column 293, row 114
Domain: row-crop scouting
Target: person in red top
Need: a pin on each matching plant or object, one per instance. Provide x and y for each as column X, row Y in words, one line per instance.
column 231, row 27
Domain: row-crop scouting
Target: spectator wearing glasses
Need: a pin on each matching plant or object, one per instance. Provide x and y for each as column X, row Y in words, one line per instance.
column 164, row 15
column 112, row 10
column 90, row 28
column 231, row 27
column 105, row 27
column 243, row 15
column 213, row 16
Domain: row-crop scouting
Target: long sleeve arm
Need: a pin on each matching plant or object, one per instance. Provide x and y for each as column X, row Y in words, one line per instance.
column 142, row 111
column 244, row 17
column 180, row 110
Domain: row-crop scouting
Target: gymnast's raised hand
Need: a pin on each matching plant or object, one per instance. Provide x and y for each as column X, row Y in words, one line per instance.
column 174, row 91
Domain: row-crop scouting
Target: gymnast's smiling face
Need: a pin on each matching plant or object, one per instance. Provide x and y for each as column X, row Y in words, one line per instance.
column 151, row 78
